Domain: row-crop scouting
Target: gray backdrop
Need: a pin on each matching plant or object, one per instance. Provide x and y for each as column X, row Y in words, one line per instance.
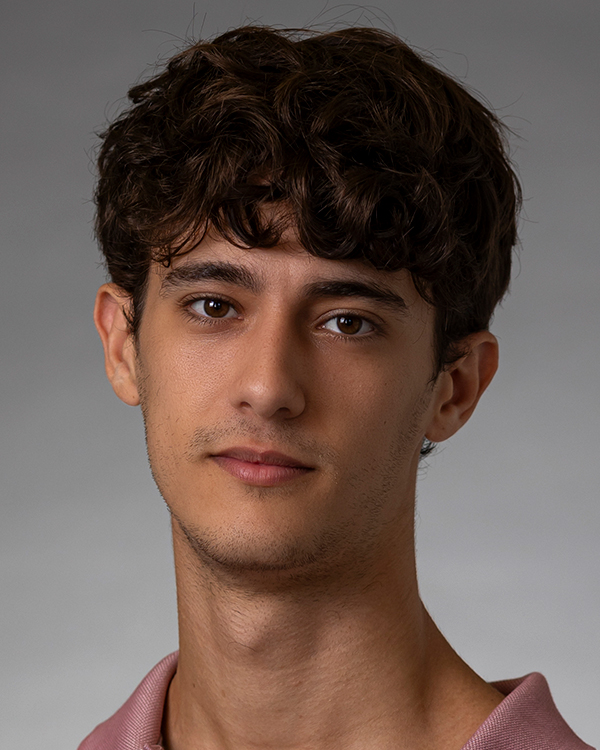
column 508, row 510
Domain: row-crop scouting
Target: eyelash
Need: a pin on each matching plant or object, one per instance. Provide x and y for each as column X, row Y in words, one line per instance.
column 186, row 304
column 377, row 328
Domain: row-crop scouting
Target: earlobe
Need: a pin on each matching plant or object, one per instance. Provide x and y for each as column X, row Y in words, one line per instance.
column 117, row 340
column 461, row 386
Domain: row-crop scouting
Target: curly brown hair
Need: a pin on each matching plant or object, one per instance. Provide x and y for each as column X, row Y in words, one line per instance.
column 370, row 150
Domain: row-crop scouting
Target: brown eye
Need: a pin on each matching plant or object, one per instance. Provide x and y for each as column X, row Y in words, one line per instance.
column 212, row 308
column 349, row 325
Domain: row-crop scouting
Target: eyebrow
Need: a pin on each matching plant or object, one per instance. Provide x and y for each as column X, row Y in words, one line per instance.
column 210, row 271
column 364, row 289
column 189, row 273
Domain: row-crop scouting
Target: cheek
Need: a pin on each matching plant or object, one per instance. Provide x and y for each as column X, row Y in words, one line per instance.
column 377, row 413
column 182, row 382
column 179, row 389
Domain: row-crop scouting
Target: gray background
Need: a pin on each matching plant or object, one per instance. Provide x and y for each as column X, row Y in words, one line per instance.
column 508, row 510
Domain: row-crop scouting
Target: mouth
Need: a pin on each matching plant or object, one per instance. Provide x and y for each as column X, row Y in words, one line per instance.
column 260, row 468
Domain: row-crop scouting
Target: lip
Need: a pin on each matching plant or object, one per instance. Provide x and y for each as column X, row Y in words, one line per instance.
column 260, row 468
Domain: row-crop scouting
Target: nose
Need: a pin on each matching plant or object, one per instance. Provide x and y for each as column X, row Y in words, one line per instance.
column 269, row 369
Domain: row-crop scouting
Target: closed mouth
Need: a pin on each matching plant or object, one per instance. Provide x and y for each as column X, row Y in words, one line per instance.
column 260, row 468
column 269, row 458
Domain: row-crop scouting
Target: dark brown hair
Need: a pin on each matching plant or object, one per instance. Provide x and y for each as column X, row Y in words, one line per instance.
column 372, row 152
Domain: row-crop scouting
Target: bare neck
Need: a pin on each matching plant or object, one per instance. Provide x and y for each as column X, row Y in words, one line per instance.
column 294, row 666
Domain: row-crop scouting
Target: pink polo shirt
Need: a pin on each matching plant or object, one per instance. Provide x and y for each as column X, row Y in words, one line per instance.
column 527, row 718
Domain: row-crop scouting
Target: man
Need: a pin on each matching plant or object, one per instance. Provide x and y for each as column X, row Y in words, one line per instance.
column 306, row 236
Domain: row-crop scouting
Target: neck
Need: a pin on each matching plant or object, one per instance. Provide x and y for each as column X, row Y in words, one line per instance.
column 279, row 663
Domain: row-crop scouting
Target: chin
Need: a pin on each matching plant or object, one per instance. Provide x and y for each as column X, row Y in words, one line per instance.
column 240, row 552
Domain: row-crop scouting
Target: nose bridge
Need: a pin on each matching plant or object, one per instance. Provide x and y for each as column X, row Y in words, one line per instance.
column 270, row 368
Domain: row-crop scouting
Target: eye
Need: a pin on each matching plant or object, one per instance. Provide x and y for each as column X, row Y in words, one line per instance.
column 349, row 325
column 213, row 307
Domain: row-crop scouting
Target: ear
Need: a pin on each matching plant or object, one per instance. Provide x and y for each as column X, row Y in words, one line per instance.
column 117, row 340
column 461, row 385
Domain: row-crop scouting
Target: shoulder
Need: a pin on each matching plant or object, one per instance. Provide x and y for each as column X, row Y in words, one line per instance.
column 527, row 719
column 137, row 723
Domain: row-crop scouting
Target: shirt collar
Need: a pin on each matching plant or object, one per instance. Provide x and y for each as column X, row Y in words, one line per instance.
column 526, row 719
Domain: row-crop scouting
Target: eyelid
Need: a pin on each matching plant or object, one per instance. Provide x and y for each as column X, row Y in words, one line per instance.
column 202, row 297
column 376, row 326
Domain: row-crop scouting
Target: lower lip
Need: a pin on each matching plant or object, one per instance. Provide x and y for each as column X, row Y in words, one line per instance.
column 261, row 475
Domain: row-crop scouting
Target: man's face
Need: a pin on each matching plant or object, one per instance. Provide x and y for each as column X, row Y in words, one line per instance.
column 285, row 400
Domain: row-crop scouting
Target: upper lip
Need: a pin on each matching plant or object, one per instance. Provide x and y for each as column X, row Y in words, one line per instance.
column 274, row 458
